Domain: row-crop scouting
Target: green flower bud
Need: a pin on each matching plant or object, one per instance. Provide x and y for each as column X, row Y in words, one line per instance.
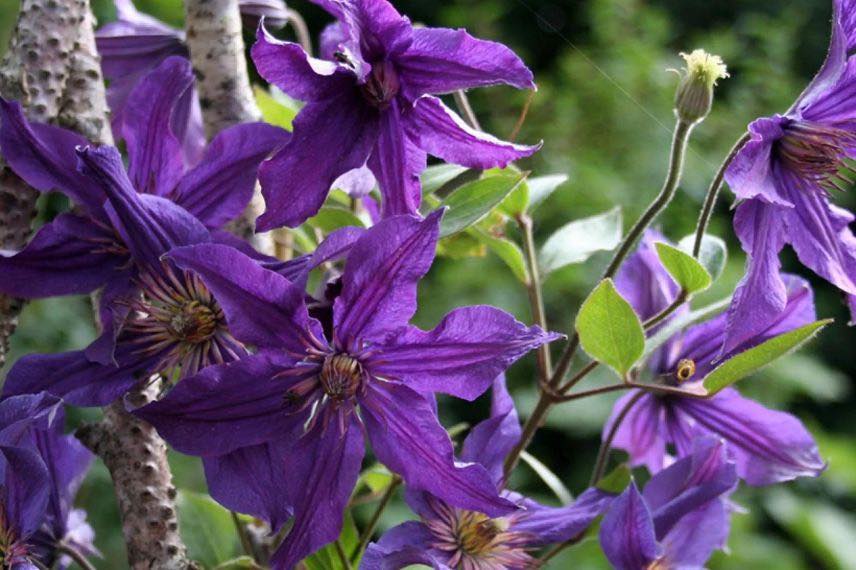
column 694, row 96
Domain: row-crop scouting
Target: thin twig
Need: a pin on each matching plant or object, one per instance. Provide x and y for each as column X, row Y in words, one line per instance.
column 667, row 312
column 242, row 534
column 606, row 444
column 522, row 117
column 536, row 297
column 301, row 30
column 370, row 528
column 463, row 103
column 75, row 555
column 343, row 557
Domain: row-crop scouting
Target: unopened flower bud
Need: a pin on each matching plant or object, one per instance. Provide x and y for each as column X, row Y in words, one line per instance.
column 694, row 97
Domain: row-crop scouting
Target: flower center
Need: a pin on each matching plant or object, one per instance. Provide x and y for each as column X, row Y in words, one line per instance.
column 818, row 153
column 341, row 377
column 476, row 532
column 194, row 322
column 381, row 85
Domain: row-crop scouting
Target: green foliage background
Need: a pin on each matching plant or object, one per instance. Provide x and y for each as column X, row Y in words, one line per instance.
column 603, row 109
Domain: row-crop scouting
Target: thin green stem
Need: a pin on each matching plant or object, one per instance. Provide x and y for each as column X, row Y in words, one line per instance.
column 370, row 528
column 242, row 534
column 75, row 555
column 578, row 376
column 536, row 297
column 588, row 393
column 665, row 313
column 606, row 444
column 713, row 194
column 343, row 557
column 463, row 103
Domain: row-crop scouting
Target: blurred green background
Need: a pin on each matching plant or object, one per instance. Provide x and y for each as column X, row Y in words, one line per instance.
column 603, row 109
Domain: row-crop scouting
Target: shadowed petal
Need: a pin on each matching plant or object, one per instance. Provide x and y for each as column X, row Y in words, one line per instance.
column 323, row 468
column 642, row 433
column 330, row 137
column 750, row 174
column 439, row 131
column 154, row 151
column 226, row 407
column 262, row 307
column 407, row 437
column 24, row 490
column 691, row 543
column 461, row 356
column 379, row 283
column 399, row 547
column 627, row 532
column 67, row 256
column 67, row 462
column 549, row 525
column 113, row 309
column 218, row 189
column 492, row 440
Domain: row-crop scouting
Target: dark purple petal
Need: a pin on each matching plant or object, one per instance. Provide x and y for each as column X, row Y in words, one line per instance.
column 439, row 131
column 549, row 525
column 154, row 151
column 643, row 433
column 442, row 60
column 397, row 163
column 24, row 489
column 67, row 462
column 22, row 416
column 301, row 76
column 70, row 255
column 331, row 40
column 769, row 446
column 627, row 532
column 113, row 308
column 262, row 307
column 379, row 284
column 249, row 480
column 760, row 296
column 226, row 407
column 330, row 138
column 407, row 437
column 750, row 175
column 373, row 27
column 401, row 546
column 44, row 156
column 219, row 188
column 461, row 356
column 492, row 440
column 692, row 542
column 322, row 470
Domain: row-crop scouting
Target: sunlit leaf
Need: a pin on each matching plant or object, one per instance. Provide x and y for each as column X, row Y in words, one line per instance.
column 475, row 200
column 437, row 176
column 576, row 241
column 616, row 480
column 688, row 273
column 713, row 253
column 331, row 218
column 540, row 188
column 273, row 111
column 507, row 251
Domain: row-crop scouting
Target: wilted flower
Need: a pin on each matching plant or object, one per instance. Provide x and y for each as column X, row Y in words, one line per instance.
column 373, row 105
column 295, row 413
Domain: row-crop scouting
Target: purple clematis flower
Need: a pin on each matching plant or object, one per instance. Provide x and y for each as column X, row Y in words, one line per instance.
column 374, row 106
column 285, row 426
column 769, row 446
column 155, row 318
column 783, row 176
column 136, row 44
column 452, row 538
column 679, row 519
column 31, row 426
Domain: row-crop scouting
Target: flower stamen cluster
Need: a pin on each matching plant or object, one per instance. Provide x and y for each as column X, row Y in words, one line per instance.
column 818, row 152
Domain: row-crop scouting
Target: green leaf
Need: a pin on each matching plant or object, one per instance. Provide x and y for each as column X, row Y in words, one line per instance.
column 578, row 240
column 331, row 218
column 327, row 558
column 507, row 251
column 609, row 329
column 712, row 255
column 540, row 188
column 684, row 269
column 616, row 480
column 377, row 478
column 240, row 563
column 750, row 361
column 516, row 203
column 437, row 176
column 475, row 200
column 207, row 529
column 273, row 111
column 548, row 477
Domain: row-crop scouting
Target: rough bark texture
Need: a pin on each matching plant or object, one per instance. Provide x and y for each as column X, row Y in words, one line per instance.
column 136, row 457
column 216, row 46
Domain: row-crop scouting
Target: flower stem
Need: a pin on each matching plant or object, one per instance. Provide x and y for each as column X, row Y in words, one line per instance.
column 381, row 506
column 665, row 313
column 713, row 194
column 536, row 297
column 606, row 444
column 343, row 557
column 75, row 555
column 301, row 30
column 463, row 103
column 242, row 534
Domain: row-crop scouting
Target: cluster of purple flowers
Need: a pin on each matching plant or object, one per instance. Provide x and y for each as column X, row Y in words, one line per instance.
column 278, row 390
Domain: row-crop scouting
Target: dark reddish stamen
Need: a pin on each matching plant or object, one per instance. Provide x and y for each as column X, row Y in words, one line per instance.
column 341, row 377
column 381, row 85
column 818, row 153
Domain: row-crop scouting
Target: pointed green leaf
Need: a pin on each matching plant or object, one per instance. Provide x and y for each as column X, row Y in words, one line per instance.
column 548, row 477
column 437, row 176
column 684, row 269
column 750, row 361
column 578, row 240
column 507, row 251
column 475, row 200
column 609, row 329
column 330, row 218
column 540, row 188
column 207, row 529
column 616, row 480
column 273, row 111
column 712, row 255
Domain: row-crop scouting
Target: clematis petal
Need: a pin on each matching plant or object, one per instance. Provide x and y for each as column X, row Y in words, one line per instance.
column 219, row 188
column 249, row 480
column 44, row 156
column 751, row 174
column 226, row 407
column 323, row 468
column 67, row 256
column 642, row 433
column 627, row 532
column 548, row 525
column 643, row 281
column 439, row 131
column 761, row 295
column 113, row 309
column 769, row 446
column 691, row 543
column 381, row 274
column 299, row 75
column 262, row 307
column 401, row 546
column 22, row 416
column 374, row 27
column 356, row 183
column 397, row 163
column 24, row 490
column 442, row 60
column 330, row 137
column 461, row 356
column 67, row 462
column 490, row 441
column 407, row 437
column 155, row 152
